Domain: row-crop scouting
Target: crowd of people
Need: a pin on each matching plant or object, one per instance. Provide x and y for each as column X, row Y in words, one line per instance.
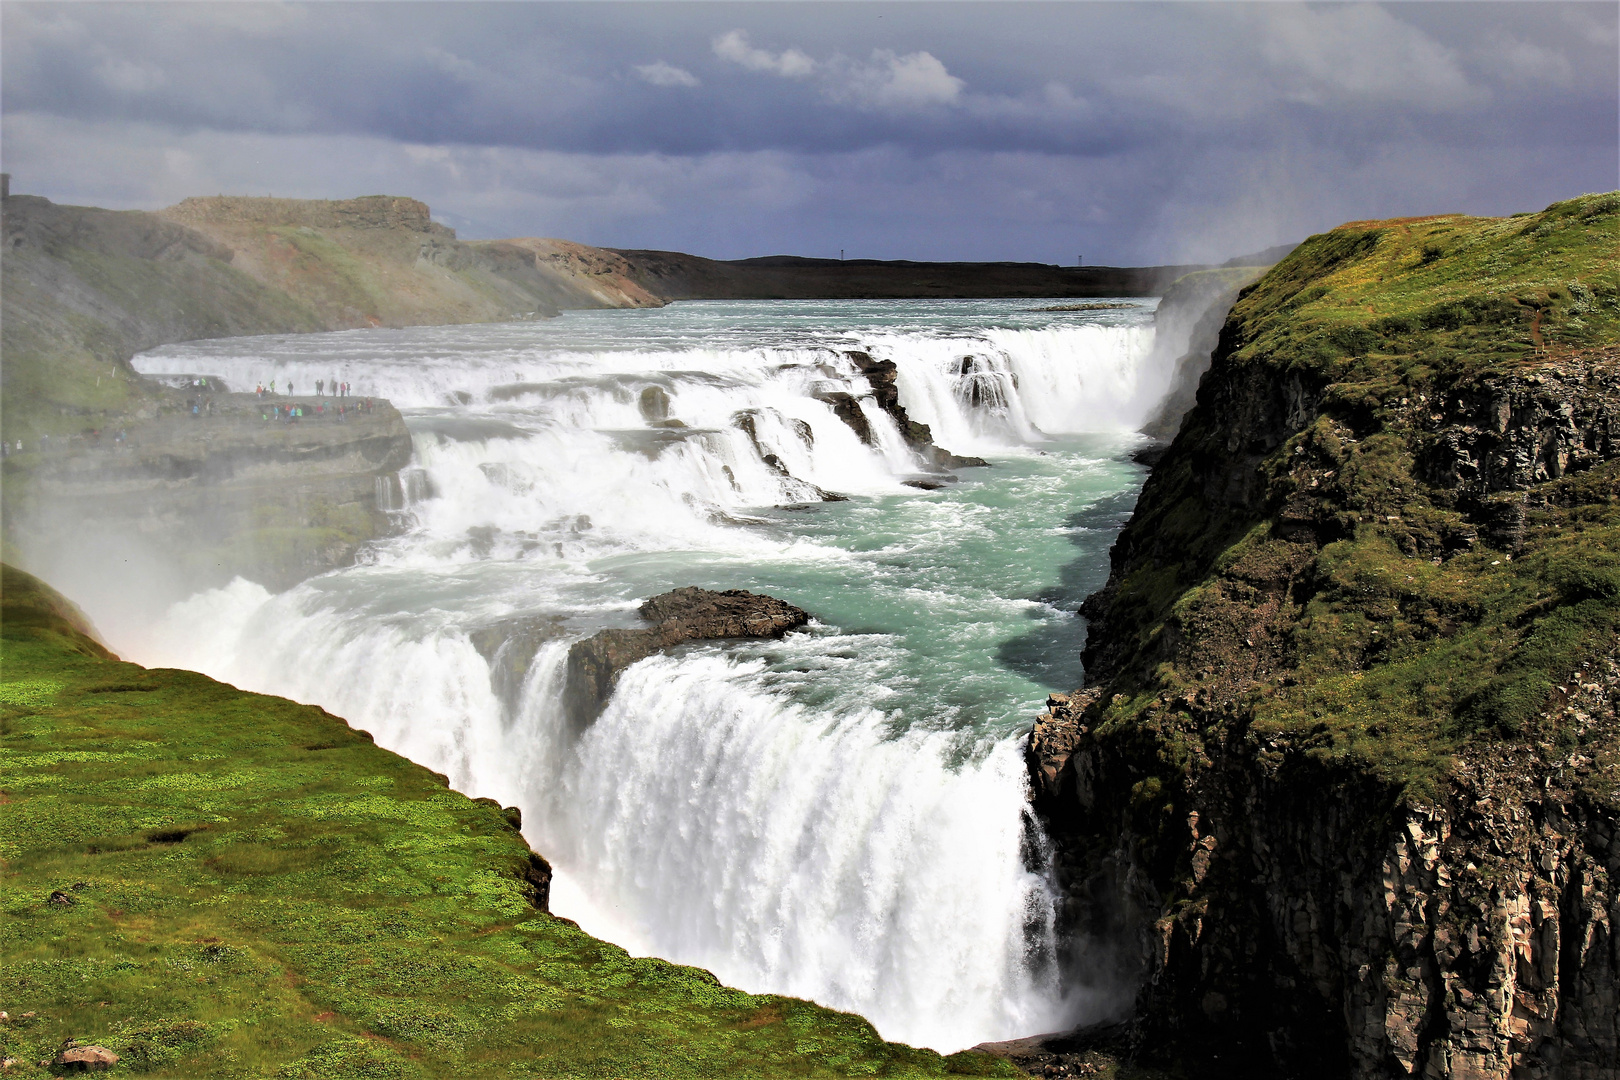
column 339, row 389
column 201, row 405
column 91, row 436
column 318, row 409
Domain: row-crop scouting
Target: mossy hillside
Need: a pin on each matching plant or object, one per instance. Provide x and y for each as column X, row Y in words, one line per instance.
column 1295, row 570
column 248, row 887
column 84, row 289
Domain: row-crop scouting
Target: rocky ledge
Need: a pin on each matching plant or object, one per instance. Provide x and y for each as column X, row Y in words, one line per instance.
column 682, row 615
column 883, row 377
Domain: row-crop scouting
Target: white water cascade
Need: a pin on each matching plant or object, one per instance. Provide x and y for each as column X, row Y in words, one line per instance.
column 838, row 815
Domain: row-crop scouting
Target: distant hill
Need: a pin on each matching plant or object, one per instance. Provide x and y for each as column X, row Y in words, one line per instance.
column 676, row 276
column 84, row 289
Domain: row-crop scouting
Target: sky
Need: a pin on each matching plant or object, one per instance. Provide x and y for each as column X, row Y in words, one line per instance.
column 1124, row 133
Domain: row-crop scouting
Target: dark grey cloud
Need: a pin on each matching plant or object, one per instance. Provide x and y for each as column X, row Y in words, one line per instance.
column 964, row 130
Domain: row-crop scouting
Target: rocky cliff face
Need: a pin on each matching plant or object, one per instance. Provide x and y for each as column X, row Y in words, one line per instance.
column 1345, row 773
column 188, row 503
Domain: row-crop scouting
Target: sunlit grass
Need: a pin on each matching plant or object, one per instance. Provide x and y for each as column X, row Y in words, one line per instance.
column 250, row 888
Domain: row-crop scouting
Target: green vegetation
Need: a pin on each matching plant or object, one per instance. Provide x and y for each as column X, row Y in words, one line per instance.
column 214, row 883
column 1306, row 561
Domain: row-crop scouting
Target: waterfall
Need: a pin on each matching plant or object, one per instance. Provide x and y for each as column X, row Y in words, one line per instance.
column 800, row 817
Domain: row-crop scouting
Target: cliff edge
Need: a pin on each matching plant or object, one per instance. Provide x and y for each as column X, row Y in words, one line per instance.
column 202, row 882
column 1345, row 772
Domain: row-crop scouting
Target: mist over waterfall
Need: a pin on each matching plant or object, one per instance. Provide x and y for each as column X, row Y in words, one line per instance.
column 839, row 815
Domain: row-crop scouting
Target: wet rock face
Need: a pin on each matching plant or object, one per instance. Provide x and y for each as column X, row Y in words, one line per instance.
column 883, row 377
column 687, row 614
column 1315, row 877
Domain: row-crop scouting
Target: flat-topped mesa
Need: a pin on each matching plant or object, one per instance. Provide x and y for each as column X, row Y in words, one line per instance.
column 688, row 614
column 366, row 212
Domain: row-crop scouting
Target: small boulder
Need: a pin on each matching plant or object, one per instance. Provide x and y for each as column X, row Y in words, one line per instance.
column 654, row 404
column 85, row 1059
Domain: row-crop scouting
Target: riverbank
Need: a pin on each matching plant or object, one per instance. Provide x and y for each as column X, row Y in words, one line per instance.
column 198, row 487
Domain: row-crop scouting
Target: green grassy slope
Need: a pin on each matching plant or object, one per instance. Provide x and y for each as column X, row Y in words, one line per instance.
column 1311, row 557
column 244, row 887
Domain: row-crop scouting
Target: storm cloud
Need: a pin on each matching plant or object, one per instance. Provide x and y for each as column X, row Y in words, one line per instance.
column 1128, row 133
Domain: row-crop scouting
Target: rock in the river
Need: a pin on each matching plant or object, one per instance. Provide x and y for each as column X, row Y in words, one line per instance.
column 883, row 377
column 847, row 409
column 687, row 614
column 654, row 403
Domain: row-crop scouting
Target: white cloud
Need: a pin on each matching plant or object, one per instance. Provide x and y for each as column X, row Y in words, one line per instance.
column 891, row 81
column 887, row 81
column 659, row 73
column 790, row 63
column 1361, row 51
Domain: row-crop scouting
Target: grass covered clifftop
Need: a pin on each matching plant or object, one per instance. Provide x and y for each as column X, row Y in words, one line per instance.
column 1390, row 525
column 212, row 883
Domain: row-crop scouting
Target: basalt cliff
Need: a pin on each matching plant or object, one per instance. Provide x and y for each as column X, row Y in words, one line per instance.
column 1345, row 776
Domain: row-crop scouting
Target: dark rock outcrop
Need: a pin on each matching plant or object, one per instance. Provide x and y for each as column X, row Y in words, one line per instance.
column 1293, row 922
column 883, row 377
column 687, row 614
column 848, row 409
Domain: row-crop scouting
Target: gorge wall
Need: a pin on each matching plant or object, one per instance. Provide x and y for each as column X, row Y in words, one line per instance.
column 1345, row 772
